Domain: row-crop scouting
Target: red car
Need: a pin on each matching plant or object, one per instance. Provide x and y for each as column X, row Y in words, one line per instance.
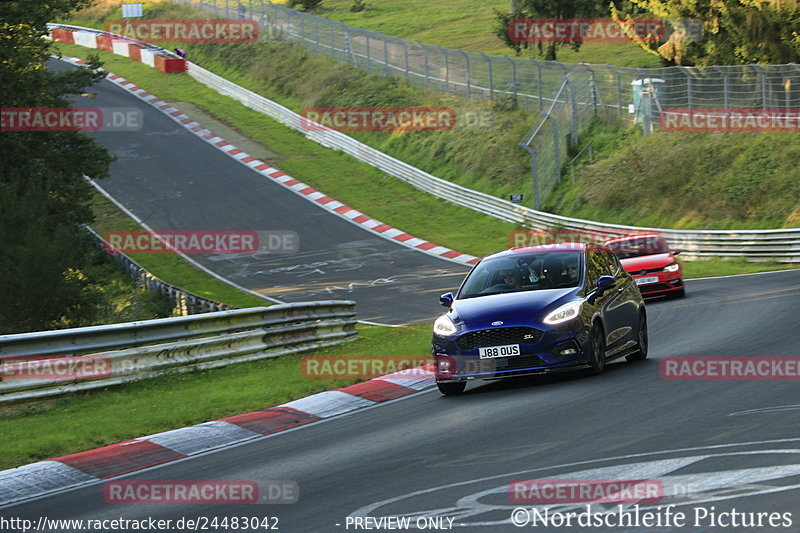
column 651, row 263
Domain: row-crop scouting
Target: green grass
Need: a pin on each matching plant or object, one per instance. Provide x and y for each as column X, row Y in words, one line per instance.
column 42, row 429
column 168, row 267
column 347, row 180
column 465, row 25
column 685, row 180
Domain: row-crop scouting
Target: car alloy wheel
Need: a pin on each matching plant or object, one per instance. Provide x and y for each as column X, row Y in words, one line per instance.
column 641, row 351
column 597, row 349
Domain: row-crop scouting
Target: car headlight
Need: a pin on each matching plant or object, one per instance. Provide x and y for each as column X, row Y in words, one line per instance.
column 672, row 268
column 444, row 326
column 564, row 313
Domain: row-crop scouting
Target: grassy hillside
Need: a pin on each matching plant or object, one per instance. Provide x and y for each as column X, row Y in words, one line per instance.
column 686, row 180
column 750, row 182
column 463, row 24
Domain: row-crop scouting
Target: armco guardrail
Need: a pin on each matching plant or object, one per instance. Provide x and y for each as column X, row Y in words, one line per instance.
column 778, row 244
column 183, row 302
column 757, row 245
column 137, row 350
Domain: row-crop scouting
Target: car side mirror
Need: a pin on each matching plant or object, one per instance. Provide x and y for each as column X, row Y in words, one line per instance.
column 446, row 299
column 604, row 283
column 676, row 251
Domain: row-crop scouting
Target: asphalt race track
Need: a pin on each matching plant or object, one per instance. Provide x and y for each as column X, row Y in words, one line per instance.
column 718, row 446
column 721, row 444
column 173, row 180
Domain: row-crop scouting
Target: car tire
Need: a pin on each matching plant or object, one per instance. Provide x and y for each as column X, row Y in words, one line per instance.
column 641, row 339
column 453, row 388
column 597, row 349
column 680, row 293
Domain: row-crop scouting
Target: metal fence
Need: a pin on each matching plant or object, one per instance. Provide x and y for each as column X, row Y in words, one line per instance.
column 136, row 350
column 183, row 302
column 568, row 95
column 756, row 245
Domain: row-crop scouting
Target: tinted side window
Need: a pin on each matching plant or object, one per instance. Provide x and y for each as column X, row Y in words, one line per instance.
column 594, row 269
column 613, row 263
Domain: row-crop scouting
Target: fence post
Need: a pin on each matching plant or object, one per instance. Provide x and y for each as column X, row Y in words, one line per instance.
column 427, row 76
column 574, row 108
column 513, row 76
column 647, row 110
column 688, row 86
column 405, row 43
column 534, row 174
column 332, row 34
column 764, row 93
column 618, row 76
column 369, row 57
column 491, row 77
column 446, row 68
column 539, row 69
column 593, row 87
column 469, row 73
column 726, row 90
column 385, row 55
column 557, row 147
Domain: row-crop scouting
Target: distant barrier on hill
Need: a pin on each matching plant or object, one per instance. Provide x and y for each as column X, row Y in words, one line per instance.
column 566, row 95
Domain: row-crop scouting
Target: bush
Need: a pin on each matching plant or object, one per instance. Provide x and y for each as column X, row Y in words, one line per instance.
column 358, row 5
column 308, row 5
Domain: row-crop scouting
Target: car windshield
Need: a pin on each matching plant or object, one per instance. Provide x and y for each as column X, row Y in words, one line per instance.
column 523, row 272
column 639, row 246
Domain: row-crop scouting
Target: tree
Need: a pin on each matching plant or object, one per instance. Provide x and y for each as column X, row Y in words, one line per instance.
column 43, row 196
column 734, row 31
column 561, row 9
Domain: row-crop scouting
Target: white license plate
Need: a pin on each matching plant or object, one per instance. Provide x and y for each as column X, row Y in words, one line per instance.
column 499, row 351
column 648, row 279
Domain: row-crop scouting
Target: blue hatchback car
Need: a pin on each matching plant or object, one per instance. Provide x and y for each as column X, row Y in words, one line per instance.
column 536, row 310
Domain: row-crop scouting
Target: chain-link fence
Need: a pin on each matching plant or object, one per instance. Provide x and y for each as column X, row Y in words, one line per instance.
column 567, row 96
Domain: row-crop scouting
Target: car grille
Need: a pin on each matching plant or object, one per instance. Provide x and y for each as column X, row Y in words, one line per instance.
column 503, row 364
column 646, row 271
column 498, row 337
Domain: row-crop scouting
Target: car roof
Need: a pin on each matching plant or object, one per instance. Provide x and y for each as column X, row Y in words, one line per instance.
column 560, row 247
